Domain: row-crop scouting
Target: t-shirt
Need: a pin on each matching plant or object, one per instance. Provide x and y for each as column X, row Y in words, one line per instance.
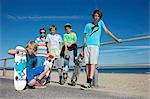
column 70, row 37
column 93, row 33
column 42, row 47
column 55, row 41
column 31, row 61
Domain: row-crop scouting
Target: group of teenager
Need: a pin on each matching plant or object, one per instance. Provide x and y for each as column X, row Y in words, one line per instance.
column 51, row 44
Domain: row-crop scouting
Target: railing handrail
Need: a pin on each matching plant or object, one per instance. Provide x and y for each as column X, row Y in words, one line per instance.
column 6, row 58
column 125, row 40
column 108, row 65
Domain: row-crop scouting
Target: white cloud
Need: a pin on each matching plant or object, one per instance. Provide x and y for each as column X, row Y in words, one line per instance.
column 125, row 48
column 141, row 34
column 116, row 50
column 44, row 17
column 11, row 17
column 133, row 47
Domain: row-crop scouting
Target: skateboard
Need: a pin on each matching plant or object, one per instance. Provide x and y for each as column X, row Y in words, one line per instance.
column 75, row 75
column 20, row 69
column 49, row 61
column 66, row 66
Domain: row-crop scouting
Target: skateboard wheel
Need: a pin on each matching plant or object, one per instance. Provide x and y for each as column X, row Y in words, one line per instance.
column 43, row 81
column 73, row 83
column 16, row 77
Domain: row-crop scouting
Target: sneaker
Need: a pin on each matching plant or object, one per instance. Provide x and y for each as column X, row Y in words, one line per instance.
column 73, row 83
column 39, row 85
column 90, row 85
column 48, row 81
column 89, row 81
column 87, row 85
column 30, row 87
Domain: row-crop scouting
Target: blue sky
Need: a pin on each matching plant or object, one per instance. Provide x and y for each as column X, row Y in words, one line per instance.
column 21, row 20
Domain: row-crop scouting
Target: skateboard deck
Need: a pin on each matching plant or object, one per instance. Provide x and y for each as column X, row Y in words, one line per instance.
column 66, row 66
column 75, row 75
column 48, row 62
column 20, row 69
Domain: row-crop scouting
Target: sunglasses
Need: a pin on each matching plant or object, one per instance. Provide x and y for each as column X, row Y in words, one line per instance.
column 42, row 32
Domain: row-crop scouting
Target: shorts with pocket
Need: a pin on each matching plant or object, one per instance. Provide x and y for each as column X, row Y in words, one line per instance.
column 91, row 54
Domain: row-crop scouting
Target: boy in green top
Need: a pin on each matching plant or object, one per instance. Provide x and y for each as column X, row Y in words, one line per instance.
column 70, row 39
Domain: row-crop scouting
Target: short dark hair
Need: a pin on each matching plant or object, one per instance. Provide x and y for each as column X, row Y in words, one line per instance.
column 67, row 25
column 52, row 26
column 98, row 11
column 42, row 29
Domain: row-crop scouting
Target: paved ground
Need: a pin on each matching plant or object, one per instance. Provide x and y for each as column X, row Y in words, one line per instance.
column 55, row 91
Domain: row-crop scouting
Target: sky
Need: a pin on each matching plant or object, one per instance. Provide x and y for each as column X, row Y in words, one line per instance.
column 20, row 21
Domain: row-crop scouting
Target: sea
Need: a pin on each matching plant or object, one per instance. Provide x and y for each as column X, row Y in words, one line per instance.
column 109, row 69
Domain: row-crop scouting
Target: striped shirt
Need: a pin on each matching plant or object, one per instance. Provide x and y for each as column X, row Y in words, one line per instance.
column 42, row 47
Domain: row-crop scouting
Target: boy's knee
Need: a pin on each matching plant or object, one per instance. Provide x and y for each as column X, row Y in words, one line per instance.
column 75, row 46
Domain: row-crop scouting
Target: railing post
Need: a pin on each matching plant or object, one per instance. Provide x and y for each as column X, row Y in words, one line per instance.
column 95, row 78
column 4, row 67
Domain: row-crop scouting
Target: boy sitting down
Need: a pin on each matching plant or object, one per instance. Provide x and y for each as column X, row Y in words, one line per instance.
column 32, row 71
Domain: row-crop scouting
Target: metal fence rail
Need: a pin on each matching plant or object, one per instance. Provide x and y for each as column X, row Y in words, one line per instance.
column 127, row 40
column 5, row 64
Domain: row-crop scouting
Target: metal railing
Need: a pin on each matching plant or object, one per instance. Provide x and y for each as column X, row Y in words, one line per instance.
column 95, row 81
column 5, row 64
column 125, row 40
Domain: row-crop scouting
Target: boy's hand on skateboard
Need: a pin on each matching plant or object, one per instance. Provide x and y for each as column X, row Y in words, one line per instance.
column 21, row 50
column 48, row 54
column 49, row 60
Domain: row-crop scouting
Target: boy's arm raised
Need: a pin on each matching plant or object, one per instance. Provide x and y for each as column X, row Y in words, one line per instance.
column 111, row 35
column 12, row 51
column 15, row 51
